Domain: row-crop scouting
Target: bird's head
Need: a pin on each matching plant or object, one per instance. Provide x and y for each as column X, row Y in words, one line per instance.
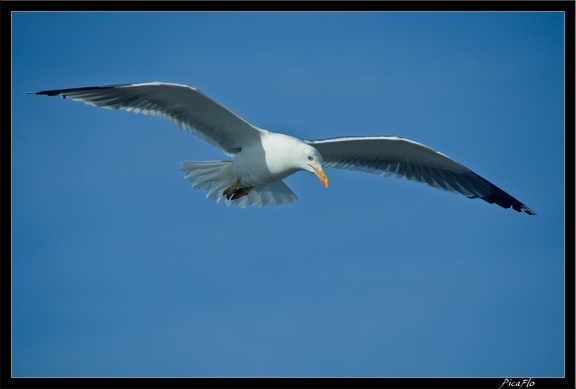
column 312, row 161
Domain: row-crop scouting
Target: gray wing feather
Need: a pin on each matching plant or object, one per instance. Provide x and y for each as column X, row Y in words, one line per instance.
column 183, row 105
column 403, row 158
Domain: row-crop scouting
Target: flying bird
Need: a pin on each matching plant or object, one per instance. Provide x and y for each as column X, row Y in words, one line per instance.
column 262, row 159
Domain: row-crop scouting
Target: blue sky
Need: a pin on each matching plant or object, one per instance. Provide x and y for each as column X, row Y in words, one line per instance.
column 120, row 268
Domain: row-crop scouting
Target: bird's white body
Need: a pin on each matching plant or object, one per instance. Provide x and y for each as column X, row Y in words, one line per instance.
column 262, row 159
column 266, row 161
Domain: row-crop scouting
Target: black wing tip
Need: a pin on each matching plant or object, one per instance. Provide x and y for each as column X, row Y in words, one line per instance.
column 522, row 208
column 509, row 203
column 48, row 92
column 499, row 197
column 62, row 92
column 526, row 210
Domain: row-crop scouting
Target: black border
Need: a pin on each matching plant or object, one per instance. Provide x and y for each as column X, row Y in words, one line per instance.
column 6, row 9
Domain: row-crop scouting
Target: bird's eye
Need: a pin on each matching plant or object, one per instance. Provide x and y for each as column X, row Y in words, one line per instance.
column 310, row 158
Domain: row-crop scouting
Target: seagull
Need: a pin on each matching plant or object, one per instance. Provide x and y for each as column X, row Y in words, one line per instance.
column 262, row 159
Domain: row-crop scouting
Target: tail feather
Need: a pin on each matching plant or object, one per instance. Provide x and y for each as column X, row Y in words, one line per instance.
column 215, row 176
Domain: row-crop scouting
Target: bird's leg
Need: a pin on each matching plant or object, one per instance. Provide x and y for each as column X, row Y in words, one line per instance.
column 229, row 192
column 241, row 192
column 233, row 192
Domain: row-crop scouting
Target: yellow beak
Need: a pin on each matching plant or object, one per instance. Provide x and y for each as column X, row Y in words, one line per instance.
column 321, row 176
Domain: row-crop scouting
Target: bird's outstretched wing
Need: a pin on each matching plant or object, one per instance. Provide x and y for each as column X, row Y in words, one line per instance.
column 183, row 105
column 399, row 157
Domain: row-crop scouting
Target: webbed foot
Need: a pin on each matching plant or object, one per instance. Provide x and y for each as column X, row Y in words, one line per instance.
column 233, row 192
